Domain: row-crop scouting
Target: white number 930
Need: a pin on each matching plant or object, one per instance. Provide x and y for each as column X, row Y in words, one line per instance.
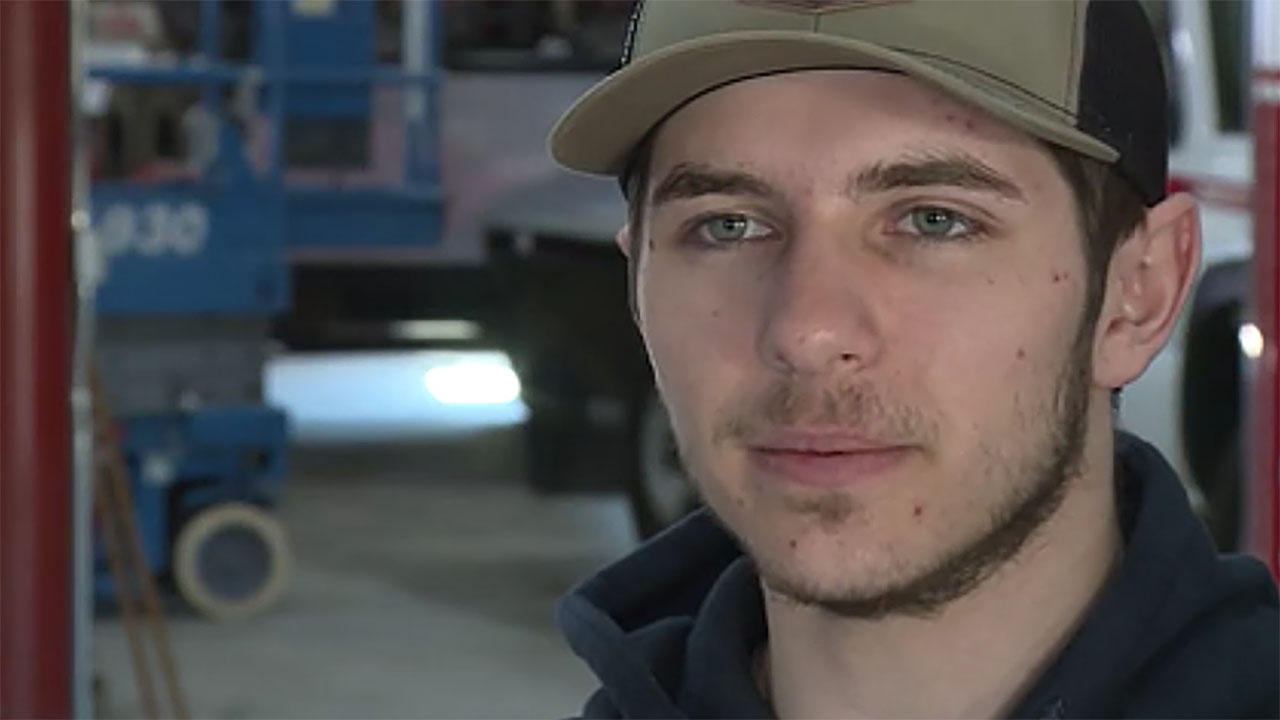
column 154, row 230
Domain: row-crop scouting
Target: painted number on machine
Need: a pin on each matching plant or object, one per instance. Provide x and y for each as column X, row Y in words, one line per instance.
column 154, row 230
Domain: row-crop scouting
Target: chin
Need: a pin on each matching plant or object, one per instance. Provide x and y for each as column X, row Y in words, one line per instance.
column 818, row 563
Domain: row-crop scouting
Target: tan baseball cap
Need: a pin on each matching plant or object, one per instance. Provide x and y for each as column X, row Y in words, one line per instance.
column 1083, row 75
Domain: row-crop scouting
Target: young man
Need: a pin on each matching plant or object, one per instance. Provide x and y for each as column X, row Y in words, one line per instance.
column 891, row 260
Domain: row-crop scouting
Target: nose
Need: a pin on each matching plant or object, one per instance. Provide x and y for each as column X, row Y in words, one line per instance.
column 818, row 318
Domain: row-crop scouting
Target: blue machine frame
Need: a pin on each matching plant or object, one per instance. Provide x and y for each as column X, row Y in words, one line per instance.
column 220, row 244
column 217, row 243
column 231, row 454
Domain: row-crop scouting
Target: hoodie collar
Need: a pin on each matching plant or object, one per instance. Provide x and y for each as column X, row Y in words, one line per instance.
column 1164, row 573
column 727, row 634
column 631, row 621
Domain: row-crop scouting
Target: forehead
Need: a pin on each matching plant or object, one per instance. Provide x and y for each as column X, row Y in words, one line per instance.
column 809, row 126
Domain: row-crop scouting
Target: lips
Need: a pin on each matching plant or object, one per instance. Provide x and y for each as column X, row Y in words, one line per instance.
column 824, row 458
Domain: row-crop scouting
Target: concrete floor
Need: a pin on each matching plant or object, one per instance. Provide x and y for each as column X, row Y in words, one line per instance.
column 424, row 582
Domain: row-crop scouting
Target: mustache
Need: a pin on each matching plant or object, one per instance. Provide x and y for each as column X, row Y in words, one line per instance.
column 857, row 407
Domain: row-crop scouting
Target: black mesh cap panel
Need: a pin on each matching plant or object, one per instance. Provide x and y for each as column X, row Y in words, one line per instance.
column 1124, row 99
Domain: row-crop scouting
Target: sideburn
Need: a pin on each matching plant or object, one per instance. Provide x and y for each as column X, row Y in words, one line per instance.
column 634, row 249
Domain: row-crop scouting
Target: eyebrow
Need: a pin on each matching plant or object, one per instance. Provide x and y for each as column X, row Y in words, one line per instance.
column 935, row 170
column 690, row 180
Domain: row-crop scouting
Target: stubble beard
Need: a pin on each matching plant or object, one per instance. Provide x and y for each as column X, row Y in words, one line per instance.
column 1038, row 484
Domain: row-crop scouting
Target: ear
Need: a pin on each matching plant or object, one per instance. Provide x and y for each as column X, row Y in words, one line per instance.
column 623, row 239
column 1148, row 281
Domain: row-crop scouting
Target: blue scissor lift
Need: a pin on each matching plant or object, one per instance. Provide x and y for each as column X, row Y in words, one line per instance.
column 197, row 267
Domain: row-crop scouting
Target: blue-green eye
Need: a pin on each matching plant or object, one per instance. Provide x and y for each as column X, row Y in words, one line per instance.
column 730, row 229
column 936, row 223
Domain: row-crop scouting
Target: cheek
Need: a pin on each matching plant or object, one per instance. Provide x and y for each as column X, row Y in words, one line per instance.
column 988, row 350
column 698, row 334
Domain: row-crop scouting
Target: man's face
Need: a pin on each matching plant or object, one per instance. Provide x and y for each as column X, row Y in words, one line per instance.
column 864, row 305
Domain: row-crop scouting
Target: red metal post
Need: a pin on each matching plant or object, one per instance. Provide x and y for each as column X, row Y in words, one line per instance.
column 1263, row 498
column 35, row 358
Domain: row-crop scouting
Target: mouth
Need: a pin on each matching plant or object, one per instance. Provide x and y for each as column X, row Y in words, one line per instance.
column 825, row 459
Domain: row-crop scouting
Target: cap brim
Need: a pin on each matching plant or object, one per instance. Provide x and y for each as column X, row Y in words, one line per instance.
column 597, row 133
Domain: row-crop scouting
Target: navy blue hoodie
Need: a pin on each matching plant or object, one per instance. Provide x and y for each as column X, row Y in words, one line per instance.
column 1178, row 631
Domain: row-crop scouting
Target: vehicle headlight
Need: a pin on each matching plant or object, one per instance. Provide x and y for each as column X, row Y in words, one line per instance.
column 1251, row 341
column 480, row 381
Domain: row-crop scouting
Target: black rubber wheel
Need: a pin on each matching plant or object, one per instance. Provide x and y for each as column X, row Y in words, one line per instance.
column 1223, row 514
column 658, row 488
column 556, row 425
